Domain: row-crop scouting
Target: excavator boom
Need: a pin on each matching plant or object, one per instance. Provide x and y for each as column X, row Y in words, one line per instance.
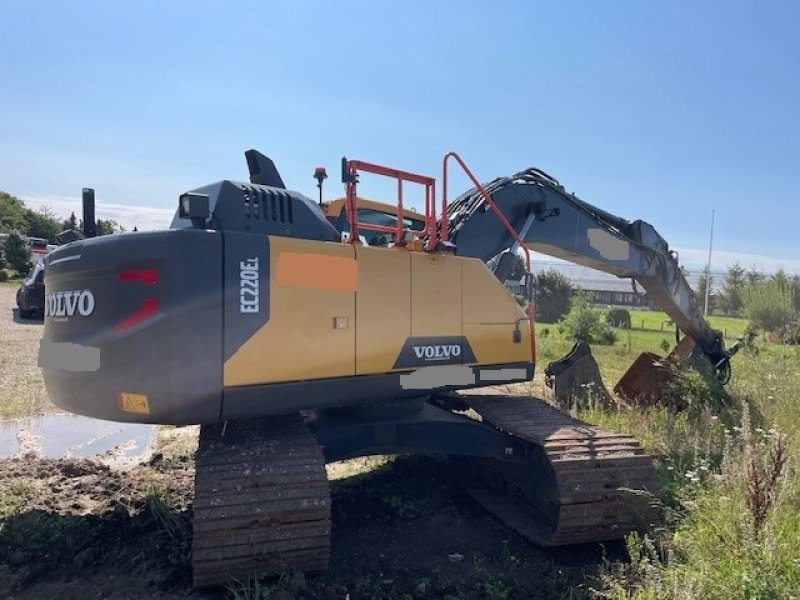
column 569, row 228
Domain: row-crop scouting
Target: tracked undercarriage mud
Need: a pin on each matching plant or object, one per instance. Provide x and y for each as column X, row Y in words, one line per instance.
column 262, row 502
column 583, row 484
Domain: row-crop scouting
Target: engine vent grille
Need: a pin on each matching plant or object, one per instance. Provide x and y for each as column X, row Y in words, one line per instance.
column 275, row 206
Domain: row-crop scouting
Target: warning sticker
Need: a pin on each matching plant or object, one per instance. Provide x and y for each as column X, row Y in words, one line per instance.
column 135, row 403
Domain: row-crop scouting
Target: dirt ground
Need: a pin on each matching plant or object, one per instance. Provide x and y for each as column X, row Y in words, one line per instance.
column 79, row 529
column 402, row 528
column 21, row 387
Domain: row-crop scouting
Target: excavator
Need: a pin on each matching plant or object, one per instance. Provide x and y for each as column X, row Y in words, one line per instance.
column 298, row 333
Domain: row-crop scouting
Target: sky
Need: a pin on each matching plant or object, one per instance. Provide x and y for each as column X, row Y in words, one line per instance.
column 660, row 110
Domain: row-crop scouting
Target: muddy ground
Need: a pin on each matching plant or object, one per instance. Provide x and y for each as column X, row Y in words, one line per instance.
column 402, row 528
column 406, row 529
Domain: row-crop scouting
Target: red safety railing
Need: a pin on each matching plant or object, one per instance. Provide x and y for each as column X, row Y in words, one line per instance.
column 350, row 170
column 500, row 217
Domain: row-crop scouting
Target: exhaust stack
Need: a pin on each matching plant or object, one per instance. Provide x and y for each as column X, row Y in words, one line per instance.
column 89, row 223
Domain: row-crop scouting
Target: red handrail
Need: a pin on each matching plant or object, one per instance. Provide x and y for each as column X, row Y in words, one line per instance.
column 500, row 217
column 487, row 198
column 352, row 167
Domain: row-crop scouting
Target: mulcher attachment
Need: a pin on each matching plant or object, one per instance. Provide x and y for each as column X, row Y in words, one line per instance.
column 261, row 500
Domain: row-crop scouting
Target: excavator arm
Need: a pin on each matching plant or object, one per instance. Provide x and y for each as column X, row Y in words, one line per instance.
column 552, row 221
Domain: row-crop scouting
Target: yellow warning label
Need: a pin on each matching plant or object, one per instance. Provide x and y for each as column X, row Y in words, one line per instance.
column 135, row 403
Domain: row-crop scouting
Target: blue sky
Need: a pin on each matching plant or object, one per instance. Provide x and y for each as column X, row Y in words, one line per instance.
column 652, row 110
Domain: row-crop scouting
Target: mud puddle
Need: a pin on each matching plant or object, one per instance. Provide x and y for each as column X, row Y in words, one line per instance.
column 70, row 436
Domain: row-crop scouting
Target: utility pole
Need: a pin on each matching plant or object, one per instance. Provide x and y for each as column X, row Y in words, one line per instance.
column 708, row 266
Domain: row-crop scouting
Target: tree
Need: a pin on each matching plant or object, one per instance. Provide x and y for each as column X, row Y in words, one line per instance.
column 17, row 254
column 517, row 270
column 42, row 224
column 731, row 299
column 552, row 295
column 754, row 276
column 794, row 284
column 108, row 227
column 585, row 323
column 71, row 223
column 13, row 215
column 769, row 305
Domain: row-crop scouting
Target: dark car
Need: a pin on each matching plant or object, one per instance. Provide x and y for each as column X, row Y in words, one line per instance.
column 30, row 295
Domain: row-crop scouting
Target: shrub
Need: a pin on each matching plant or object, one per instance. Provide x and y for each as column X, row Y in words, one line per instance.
column 4, row 275
column 769, row 306
column 17, row 253
column 687, row 387
column 552, row 296
column 585, row 323
column 791, row 334
column 619, row 317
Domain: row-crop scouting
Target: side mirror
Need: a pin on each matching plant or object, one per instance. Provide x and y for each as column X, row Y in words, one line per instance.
column 194, row 207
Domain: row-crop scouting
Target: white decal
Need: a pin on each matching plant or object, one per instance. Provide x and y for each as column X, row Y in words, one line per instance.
column 438, row 352
column 67, row 304
column 248, row 285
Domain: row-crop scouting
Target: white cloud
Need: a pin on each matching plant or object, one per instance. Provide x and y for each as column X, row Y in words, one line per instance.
column 722, row 259
column 150, row 218
column 145, row 218
column 696, row 259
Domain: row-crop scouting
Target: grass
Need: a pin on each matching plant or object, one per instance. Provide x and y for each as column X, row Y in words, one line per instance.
column 656, row 320
column 730, row 493
column 12, row 498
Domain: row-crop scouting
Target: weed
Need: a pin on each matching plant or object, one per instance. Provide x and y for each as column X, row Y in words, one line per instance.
column 12, row 498
column 763, row 482
column 496, row 590
column 178, row 548
column 250, row 589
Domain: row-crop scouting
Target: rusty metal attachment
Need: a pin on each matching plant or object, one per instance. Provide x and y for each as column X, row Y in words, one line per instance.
column 646, row 382
column 575, row 380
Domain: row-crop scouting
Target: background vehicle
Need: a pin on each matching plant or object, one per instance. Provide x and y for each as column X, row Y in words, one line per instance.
column 30, row 295
column 251, row 309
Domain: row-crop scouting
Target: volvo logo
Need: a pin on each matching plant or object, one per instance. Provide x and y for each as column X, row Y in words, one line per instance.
column 69, row 303
column 434, row 350
column 437, row 352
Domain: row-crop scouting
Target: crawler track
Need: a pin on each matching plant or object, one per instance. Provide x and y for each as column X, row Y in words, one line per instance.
column 584, row 484
column 261, row 500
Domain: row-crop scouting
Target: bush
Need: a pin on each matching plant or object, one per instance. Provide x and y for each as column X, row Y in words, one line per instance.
column 17, row 253
column 552, row 296
column 4, row 275
column 619, row 318
column 585, row 323
column 769, row 306
column 791, row 334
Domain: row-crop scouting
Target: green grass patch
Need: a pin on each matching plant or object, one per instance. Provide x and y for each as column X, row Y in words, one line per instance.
column 713, row 461
column 656, row 320
column 12, row 498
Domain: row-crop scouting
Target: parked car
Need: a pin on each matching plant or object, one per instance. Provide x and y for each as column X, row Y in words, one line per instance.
column 30, row 295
